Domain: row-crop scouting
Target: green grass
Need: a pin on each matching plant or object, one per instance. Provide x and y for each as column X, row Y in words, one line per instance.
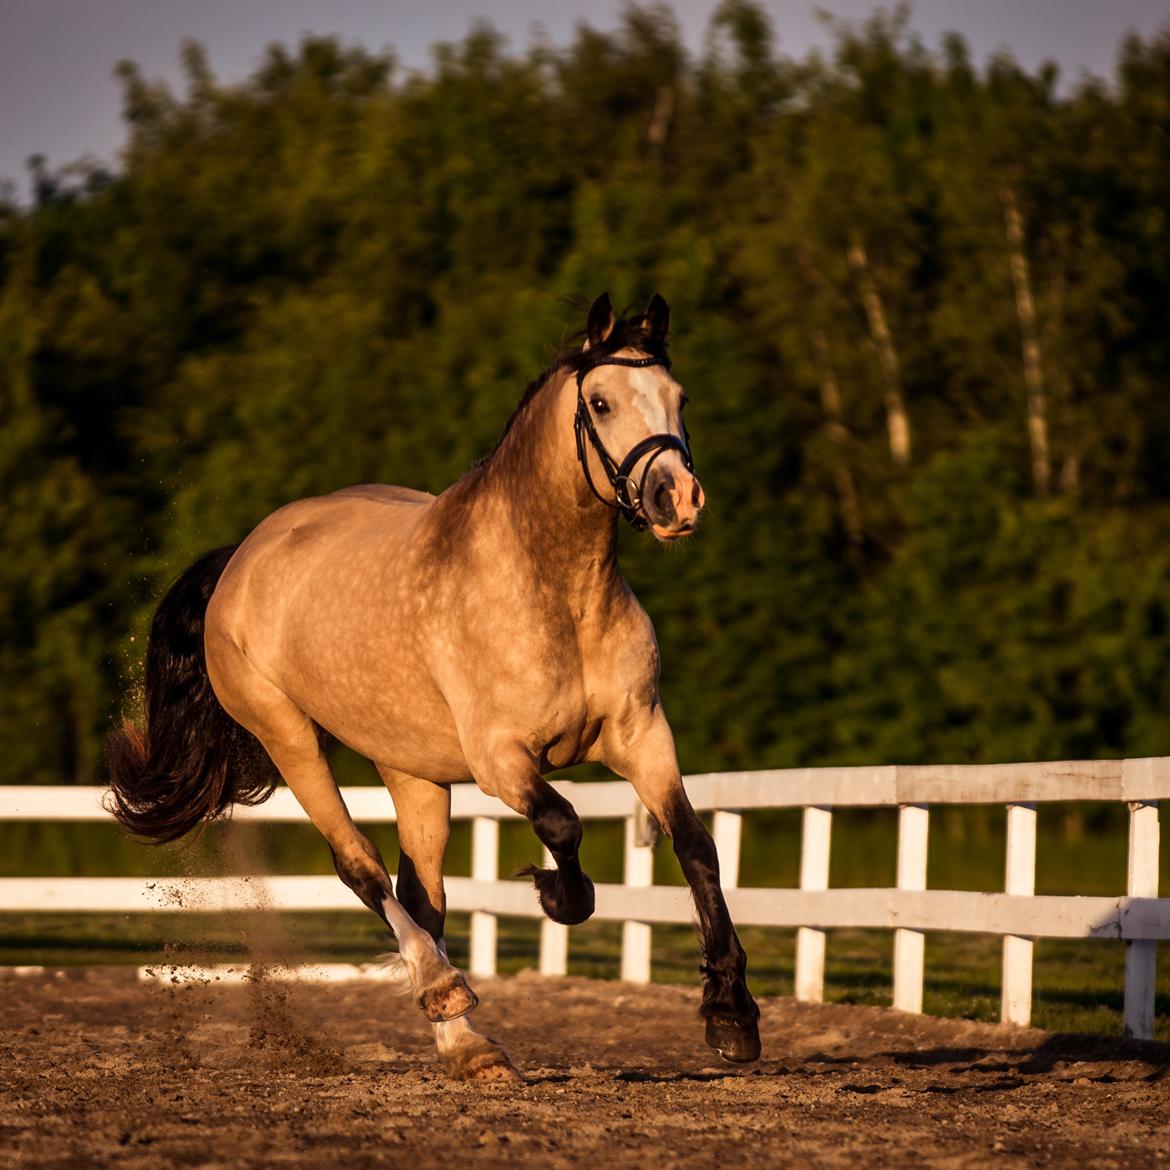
column 1078, row 984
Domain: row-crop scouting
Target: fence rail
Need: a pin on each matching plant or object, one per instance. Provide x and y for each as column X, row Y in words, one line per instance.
column 1138, row 917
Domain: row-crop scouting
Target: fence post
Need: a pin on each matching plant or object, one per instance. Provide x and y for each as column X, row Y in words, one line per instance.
column 727, row 832
column 1140, row 954
column 815, row 839
column 485, row 867
column 910, row 945
column 554, row 938
column 638, row 874
column 1019, row 878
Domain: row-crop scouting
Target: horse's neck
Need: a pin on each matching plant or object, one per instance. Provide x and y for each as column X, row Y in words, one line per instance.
column 535, row 471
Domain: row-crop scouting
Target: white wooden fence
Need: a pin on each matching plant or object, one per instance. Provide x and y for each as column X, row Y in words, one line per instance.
column 1139, row 917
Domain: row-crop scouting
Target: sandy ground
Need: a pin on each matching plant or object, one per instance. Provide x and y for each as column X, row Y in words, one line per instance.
column 99, row 1070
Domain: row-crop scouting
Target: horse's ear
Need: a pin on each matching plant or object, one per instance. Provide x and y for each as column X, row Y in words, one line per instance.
column 656, row 319
column 601, row 321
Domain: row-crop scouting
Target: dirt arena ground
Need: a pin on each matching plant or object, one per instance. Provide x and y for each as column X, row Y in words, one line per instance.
column 99, row 1070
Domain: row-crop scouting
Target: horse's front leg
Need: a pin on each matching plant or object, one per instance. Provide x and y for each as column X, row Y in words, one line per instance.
column 647, row 759
column 566, row 893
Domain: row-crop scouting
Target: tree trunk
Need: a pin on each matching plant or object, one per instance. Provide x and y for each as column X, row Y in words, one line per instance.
column 897, row 422
column 831, row 404
column 1030, row 341
column 660, row 119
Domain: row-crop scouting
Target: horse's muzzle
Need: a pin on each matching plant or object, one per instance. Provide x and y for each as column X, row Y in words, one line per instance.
column 673, row 501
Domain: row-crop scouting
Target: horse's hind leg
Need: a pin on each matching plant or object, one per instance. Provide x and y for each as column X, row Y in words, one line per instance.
column 423, row 810
column 291, row 739
column 424, row 825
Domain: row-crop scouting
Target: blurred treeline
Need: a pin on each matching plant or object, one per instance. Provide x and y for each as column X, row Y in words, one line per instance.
column 920, row 308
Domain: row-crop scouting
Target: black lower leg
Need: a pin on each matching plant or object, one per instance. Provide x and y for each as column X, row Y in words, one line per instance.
column 728, row 1007
column 365, row 873
column 566, row 893
column 416, row 901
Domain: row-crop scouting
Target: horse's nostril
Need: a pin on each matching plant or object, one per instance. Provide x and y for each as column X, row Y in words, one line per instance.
column 696, row 493
column 662, row 496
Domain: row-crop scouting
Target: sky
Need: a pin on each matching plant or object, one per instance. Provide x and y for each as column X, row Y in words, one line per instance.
column 59, row 98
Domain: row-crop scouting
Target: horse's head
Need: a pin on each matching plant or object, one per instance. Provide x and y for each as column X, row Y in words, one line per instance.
column 630, row 421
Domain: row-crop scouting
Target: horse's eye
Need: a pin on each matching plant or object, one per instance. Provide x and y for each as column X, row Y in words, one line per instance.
column 683, row 401
column 599, row 404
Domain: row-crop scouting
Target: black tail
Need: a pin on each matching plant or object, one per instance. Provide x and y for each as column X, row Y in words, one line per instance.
column 191, row 759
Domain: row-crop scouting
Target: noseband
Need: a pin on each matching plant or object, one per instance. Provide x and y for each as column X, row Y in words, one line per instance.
column 629, row 496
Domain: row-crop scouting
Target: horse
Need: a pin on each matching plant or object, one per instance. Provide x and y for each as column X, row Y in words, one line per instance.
column 483, row 634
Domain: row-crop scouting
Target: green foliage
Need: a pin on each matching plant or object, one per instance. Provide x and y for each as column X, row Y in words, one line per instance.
column 334, row 273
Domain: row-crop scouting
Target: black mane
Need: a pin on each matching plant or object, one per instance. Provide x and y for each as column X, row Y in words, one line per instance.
column 627, row 334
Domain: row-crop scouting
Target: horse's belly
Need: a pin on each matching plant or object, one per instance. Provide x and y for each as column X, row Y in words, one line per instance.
column 375, row 696
column 408, row 736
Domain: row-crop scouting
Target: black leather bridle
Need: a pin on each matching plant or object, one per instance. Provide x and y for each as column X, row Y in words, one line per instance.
column 629, row 497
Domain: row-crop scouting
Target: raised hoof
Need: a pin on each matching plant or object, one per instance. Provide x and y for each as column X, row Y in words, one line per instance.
column 555, row 899
column 483, row 1060
column 447, row 999
column 736, row 1042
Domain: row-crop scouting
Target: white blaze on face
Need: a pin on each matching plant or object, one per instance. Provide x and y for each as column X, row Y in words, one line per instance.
column 651, row 387
column 646, row 405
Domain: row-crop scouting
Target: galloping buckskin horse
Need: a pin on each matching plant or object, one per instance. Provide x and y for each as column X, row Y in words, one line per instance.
column 485, row 633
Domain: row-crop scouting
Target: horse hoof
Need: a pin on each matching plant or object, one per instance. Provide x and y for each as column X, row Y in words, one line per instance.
column 447, row 999
column 736, row 1042
column 484, row 1061
column 568, row 907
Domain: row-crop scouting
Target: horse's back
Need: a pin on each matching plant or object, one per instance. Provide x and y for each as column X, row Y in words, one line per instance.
column 382, row 493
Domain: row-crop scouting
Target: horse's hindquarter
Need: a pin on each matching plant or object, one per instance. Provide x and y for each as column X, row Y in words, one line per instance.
column 324, row 601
